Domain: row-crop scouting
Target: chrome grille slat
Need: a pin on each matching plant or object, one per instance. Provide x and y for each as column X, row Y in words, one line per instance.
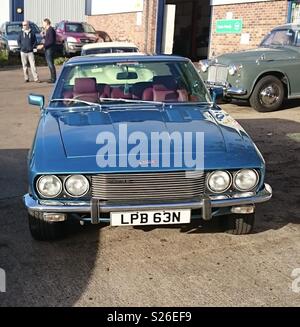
column 151, row 186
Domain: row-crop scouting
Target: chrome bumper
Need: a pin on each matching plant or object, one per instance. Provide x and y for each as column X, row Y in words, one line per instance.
column 96, row 207
column 228, row 90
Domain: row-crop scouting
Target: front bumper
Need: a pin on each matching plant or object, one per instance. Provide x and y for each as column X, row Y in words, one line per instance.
column 228, row 90
column 95, row 207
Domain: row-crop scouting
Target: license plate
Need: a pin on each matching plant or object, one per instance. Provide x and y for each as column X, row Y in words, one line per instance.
column 143, row 218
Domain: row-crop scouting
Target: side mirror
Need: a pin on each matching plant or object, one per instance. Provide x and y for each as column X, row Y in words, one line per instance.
column 217, row 93
column 36, row 100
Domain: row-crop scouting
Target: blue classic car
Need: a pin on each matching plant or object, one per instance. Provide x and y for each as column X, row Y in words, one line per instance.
column 135, row 140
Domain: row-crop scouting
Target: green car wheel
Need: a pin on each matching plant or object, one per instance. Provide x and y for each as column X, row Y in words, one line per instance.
column 268, row 94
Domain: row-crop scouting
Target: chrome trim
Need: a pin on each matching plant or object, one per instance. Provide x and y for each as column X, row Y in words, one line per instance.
column 34, row 205
column 227, row 88
column 178, row 186
column 232, row 91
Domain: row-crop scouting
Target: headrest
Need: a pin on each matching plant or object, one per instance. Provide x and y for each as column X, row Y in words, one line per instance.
column 85, row 85
column 164, row 83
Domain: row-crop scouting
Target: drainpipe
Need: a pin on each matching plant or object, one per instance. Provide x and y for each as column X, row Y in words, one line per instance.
column 147, row 13
column 289, row 13
column 159, row 24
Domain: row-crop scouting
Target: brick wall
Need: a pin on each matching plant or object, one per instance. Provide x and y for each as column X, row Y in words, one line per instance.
column 124, row 27
column 258, row 19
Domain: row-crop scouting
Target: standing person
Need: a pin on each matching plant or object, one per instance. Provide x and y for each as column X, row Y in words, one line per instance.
column 49, row 46
column 27, row 42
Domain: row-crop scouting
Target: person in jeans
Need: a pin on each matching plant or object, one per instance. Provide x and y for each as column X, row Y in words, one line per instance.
column 50, row 46
column 27, row 42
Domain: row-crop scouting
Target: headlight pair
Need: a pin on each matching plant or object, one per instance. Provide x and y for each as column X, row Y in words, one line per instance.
column 50, row 186
column 221, row 181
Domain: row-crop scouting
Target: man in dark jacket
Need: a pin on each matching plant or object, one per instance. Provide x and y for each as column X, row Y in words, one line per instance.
column 50, row 46
column 27, row 42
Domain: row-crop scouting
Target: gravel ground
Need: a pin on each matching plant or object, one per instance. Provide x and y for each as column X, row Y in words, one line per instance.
column 173, row 266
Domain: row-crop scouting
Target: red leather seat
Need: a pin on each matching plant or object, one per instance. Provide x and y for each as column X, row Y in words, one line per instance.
column 119, row 93
column 103, row 90
column 165, row 89
column 139, row 88
column 86, row 89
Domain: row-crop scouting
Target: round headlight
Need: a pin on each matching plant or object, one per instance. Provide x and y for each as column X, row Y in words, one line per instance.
column 204, row 64
column 49, row 186
column 232, row 69
column 77, row 185
column 245, row 180
column 219, row 181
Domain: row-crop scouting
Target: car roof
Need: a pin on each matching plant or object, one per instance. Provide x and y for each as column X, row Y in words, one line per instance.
column 122, row 57
column 72, row 22
column 18, row 23
column 109, row 45
column 294, row 27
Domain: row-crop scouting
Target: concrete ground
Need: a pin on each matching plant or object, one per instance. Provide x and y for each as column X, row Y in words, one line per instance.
column 173, row 266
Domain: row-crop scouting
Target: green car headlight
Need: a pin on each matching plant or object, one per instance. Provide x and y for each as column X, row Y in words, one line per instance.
column 204, row 64
column 49, row 186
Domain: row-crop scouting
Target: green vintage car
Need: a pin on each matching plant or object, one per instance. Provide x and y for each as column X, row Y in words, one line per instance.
column 265, row 76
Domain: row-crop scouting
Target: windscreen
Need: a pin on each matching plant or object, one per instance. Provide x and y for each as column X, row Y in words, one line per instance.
column 79, row 28
column 163, row 81
column 279, row 38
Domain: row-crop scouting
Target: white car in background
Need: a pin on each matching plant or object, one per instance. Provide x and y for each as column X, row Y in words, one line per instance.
column 108, row 47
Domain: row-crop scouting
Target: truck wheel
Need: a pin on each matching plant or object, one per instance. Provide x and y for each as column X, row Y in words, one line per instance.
column 239, row 224
column 42, row 230
column 267, row 95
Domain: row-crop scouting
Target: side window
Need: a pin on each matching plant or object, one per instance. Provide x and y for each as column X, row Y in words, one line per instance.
column 61, row 26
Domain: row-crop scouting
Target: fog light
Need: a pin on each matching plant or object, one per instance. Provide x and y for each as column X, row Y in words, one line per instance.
column 243, row 210
column 54, row 217
column 243, row 195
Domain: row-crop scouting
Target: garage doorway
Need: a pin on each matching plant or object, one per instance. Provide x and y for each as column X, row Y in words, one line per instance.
column 192, row 28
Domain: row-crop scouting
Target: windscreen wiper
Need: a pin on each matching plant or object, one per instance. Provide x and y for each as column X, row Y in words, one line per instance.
column 131, row 101
column 92, row 104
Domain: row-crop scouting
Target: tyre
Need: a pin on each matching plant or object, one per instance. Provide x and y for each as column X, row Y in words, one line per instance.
column 42, row 230
column 239, row 224
column 268, row 94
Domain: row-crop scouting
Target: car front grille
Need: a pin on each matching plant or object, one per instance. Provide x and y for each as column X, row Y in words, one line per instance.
column 86, row 41
column 161, row 186
column 217, row 74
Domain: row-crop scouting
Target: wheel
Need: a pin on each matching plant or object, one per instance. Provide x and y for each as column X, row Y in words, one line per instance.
column 42, row 230
column 239, row 224
column 267, row 95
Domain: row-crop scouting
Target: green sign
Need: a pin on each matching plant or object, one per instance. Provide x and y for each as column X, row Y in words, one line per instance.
column 230, row 26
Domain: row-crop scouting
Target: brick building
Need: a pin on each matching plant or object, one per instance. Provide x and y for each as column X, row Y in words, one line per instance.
column 193, row 28
column 257, row 18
